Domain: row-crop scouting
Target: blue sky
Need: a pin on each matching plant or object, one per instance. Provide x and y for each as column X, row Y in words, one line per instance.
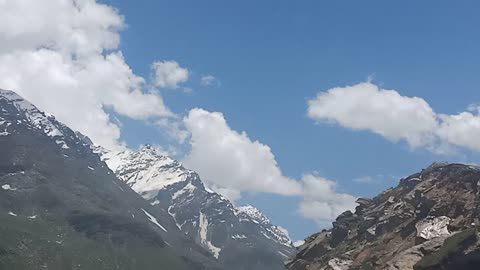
column 272, row 56
column 313, row 104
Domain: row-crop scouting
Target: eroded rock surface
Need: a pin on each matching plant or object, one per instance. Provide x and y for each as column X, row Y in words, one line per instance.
column 429, row 221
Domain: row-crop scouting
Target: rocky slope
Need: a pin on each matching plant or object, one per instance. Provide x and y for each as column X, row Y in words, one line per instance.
column 242, row 238
column 61, row 207
column 429, row 221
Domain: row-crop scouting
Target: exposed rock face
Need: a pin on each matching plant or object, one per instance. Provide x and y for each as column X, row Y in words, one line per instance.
column 239, row 237
column 428, row 221
column 433, row 227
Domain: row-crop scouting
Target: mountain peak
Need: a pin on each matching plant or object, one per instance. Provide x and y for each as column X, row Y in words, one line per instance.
column 200, row 213
column 145, row 171
column 19, row 102
column 252, row 212
column 147, row 148
column 62, row 208
column 17, row 111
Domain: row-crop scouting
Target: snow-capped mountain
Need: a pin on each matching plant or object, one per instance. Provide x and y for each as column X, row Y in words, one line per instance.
column 250, row 214
column 242, row 237
column 32, row 118
column 61, row 207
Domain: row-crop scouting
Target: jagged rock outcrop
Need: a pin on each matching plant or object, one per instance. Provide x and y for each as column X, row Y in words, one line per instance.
column 242, row 238
column 429, row 221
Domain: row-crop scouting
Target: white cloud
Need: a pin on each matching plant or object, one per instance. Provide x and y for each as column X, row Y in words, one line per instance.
column 229, row 159
column 365, row 106
column 298, row 243
column 208, row 80
column 321, row 202
column 462, row 129
column 63, row 56
column 231, row 163
column 174, row 128
column 168, row 74
column 82, row 27
column 231, row 194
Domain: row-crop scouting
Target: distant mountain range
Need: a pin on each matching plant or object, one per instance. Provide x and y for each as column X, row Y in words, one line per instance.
column 66, row 204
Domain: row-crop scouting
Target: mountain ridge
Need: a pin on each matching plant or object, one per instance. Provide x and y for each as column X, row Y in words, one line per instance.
column 429, row 221
column 206, row 216
column 61, row 207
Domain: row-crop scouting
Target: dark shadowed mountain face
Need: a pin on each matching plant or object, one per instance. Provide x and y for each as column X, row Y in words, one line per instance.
column 429, row 221
column 62, row 208
column 241, row 238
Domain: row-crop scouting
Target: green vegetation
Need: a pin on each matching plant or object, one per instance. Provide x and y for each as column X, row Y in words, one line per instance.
column 39, row 244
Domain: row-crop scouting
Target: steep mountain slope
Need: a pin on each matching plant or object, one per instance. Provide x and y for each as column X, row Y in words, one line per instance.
column 429, row 221
column 242, row 238
column 62, row 208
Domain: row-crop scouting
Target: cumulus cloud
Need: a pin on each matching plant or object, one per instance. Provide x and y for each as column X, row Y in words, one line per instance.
column 168, row 74
column 366, row 106
column 63, row 56
column 229, row 159
column 321, row 202
column 461, row 129
column 232, row 163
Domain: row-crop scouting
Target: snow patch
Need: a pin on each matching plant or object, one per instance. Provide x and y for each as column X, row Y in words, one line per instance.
column 146, row 171
column 188, row 188
column 35, row 118
column 203, row 236
column 153, row 220
column 238, row 236
column 62, row 143
column 12, row 214
column 266, row 236
column 173, row 216
column 8, row 187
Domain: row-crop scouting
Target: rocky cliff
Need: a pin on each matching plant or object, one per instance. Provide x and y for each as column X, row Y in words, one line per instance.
column 429, row 221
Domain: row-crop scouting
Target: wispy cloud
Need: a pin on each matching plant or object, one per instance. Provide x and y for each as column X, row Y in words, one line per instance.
column 209, row 80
